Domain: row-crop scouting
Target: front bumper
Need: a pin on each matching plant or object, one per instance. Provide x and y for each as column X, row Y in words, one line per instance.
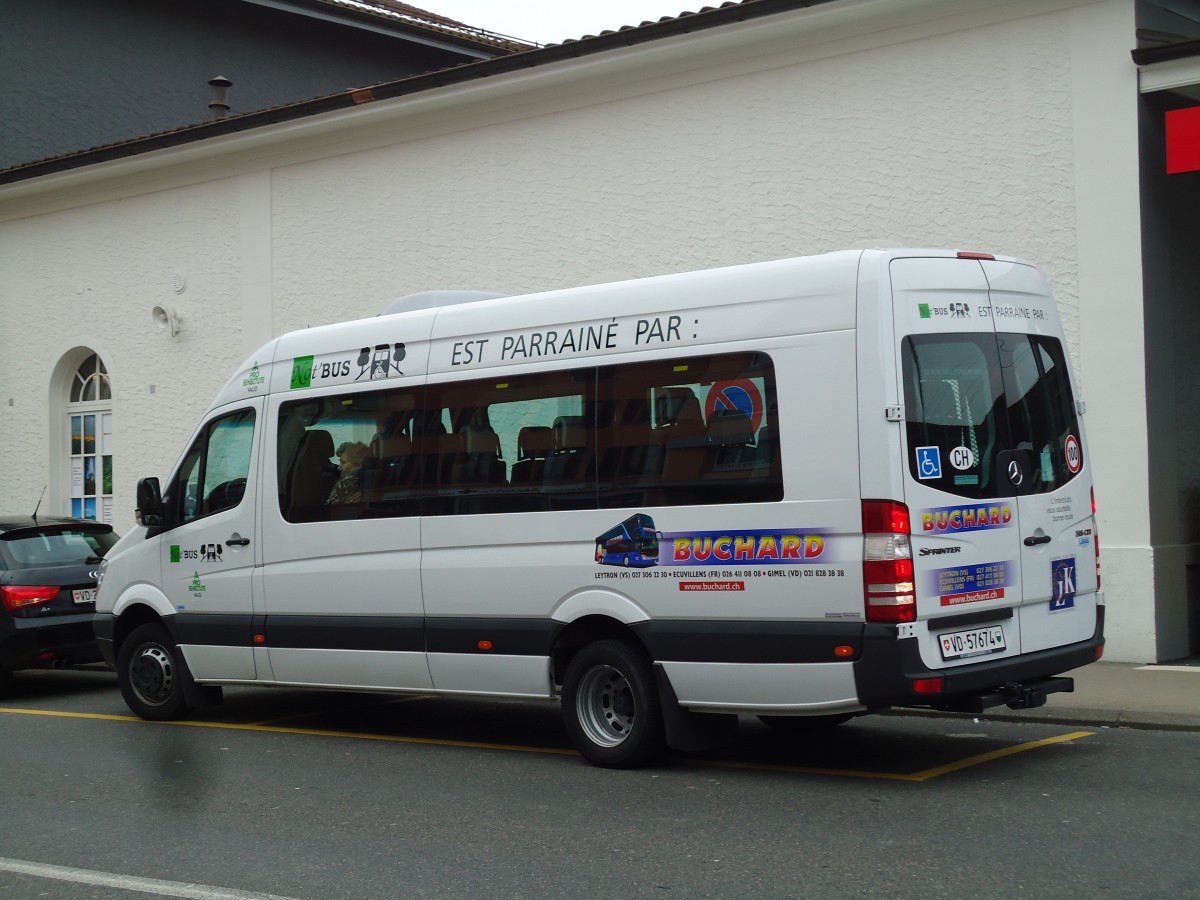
column 102, row 627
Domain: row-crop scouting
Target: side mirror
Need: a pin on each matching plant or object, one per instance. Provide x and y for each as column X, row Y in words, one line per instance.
column 149, row 502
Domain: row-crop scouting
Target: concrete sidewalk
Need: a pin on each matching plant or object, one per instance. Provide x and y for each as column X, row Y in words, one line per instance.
column 1165, row 696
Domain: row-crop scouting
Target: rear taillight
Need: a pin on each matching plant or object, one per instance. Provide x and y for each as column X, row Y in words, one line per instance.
column 888, row 589
column 1096, row 538
column 21, row 596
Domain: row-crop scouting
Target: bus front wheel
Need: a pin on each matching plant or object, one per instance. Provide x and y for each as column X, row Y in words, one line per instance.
column 611, row 707
column 151, row 673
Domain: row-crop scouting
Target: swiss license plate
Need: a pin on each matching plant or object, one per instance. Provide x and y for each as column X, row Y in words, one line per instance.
column 976, row 642
column 87, row 595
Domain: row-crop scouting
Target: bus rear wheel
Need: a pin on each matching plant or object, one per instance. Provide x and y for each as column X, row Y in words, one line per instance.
column 611, row 707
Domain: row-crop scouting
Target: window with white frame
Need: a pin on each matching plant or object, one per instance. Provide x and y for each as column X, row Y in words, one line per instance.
column 89, row 430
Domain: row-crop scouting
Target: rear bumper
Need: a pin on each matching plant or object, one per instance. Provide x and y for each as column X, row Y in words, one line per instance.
column 889, row 668
column 41, row 643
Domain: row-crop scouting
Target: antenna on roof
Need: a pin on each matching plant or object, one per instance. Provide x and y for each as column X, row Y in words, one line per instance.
column 39, row 504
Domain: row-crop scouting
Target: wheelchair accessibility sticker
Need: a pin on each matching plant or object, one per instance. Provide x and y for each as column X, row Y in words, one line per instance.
column 929, row 463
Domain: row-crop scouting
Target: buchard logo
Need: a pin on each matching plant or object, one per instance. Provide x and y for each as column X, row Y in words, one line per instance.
column 175, row 556
column 302, row 367
column 197, row 586
column 923, row 308
column 254, row 379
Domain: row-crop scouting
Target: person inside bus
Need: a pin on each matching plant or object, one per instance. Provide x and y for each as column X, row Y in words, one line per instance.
column 352, row 456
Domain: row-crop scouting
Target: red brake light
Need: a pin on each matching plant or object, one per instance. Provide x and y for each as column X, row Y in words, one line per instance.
column 885, row 516
column 1096, row 537
column 970, row 254
column 888, row 589
column 20, row 596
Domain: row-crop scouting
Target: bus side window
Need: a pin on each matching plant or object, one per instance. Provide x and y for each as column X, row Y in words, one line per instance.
column 690, row 431
column 347, row 456
column 518, row 445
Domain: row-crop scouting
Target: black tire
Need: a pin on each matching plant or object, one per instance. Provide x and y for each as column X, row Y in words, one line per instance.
column 611, row 707
column 5, row 680
column 803, row 726
column 151, row 673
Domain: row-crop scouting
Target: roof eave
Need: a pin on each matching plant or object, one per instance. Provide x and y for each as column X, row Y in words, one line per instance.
column 707, row 18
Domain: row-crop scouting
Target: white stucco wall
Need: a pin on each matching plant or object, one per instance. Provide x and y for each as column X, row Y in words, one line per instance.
column 1008, row 127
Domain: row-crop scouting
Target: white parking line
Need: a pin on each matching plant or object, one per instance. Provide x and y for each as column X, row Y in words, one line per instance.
column 131, row 882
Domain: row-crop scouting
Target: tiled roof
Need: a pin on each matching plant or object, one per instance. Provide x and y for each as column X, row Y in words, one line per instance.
column 407, row 14
column 530, row 56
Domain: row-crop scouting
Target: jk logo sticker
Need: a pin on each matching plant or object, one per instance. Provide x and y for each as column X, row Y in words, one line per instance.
column 1062, row 584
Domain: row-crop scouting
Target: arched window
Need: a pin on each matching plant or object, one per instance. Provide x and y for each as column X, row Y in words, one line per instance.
column 89, row 415
column 91, row 381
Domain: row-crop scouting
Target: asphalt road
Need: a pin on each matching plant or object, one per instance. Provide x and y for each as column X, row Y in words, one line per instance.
column 316, row 795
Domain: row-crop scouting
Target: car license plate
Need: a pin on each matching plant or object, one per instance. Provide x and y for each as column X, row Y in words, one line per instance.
column 87, row 595
column 976, row 642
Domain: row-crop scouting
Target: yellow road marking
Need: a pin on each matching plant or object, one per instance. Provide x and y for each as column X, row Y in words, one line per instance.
column 925, row 775
column 898, row 776
column 997, row 754
column 312, row 732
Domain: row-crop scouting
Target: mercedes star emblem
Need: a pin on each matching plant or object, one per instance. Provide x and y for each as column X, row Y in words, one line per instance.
column 1015, row 475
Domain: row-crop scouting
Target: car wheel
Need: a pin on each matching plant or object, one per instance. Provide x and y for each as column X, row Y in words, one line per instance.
column 151, row 673
column 803, row 726
column 611, row 707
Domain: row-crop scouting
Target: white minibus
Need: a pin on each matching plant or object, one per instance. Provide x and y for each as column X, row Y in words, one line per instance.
column 804, row 490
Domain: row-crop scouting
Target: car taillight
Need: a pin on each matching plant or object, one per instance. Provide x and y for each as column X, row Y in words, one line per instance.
column 1096, row 537
column 888, row 589
column 21, row 596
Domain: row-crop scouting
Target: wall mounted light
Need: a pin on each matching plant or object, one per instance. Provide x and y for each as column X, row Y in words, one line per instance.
column 166, row 319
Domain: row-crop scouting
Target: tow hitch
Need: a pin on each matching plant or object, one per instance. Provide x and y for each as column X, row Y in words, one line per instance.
column 1014, row 695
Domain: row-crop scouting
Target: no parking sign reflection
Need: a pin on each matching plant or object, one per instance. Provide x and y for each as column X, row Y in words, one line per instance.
column 739, row 393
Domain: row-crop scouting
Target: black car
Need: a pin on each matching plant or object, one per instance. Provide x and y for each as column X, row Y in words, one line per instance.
column 48, row 571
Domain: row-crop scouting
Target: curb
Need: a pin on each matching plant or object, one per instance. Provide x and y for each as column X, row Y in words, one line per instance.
column 1088, row 718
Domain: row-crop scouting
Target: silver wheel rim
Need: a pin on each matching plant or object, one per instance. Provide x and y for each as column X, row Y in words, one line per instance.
column 605, row 706
column 152, row 674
